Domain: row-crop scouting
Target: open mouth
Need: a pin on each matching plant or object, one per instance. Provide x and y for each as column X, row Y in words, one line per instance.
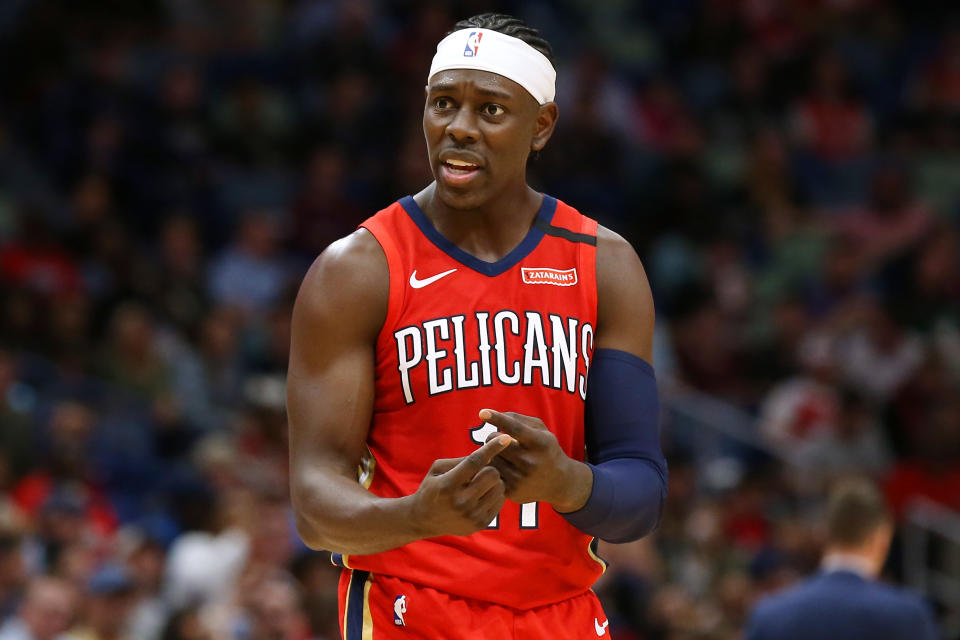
column 460, row 167
column 458, row 171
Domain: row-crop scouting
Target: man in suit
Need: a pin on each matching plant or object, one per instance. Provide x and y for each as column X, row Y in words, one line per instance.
column 844, row 601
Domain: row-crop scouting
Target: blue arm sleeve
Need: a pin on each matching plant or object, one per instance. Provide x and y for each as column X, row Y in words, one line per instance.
column 623, row 449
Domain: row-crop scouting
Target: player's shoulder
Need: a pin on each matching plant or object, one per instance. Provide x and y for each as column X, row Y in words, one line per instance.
column 895, row 607
column 348, row 280
column 773, row 609
column 825, row 588
column 618, row 264
column 614, row 245
column 625, row 312
column 566, row 216
column 898, row 598
column 614, row 252
column 356, row 259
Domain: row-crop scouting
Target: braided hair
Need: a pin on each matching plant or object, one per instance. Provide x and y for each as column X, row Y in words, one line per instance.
column 509, row 26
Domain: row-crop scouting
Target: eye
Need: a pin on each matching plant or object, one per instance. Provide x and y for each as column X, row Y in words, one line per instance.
column 493, row 109
column 442, row 103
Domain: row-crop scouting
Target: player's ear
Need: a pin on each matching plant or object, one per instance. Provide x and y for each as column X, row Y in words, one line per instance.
column 547, row 116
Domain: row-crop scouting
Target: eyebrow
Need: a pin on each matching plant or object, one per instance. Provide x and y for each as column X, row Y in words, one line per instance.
column 446, row 87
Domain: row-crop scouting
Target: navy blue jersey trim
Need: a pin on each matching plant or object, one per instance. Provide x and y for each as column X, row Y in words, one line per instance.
column 521, row 251
column 566, row 234
column 358, row 581
column 337, row 560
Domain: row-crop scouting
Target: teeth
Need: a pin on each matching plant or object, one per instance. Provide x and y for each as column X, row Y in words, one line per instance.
column 460, row 163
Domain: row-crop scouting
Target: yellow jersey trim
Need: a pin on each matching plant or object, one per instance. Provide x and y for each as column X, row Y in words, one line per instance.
column 367, row 617
column 601, row 561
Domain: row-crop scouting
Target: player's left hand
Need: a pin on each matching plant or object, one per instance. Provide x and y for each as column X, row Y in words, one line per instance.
column 535, row 467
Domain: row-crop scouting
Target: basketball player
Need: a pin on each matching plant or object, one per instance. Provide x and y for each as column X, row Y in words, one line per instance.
column 438, row 395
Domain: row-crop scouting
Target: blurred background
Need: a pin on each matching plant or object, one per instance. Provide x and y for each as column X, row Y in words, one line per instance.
column 788, row 170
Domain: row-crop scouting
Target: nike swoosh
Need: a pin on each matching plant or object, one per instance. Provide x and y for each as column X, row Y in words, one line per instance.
column 601, row 629
column 419, row 284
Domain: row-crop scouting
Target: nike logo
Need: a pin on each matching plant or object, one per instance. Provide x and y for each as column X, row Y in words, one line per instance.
column 601, row 629
column 419, row 284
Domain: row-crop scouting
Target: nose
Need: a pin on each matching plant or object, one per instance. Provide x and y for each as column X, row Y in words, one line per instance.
column 463, row 129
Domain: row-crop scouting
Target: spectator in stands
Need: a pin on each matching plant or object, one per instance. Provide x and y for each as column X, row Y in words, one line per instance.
column 274, row 611
column 878, row 357
column 830, row 121
column 185, row 624
column 938, row 89
column 36, row 261
column 833, row 130
column 662, row 119
column 319, row 584
column 323, row 210
column 16, row 434
column 204, row 563
column 252, row 123
column 64, row 493
column 805, row 406
column 928, row 291
column 209, row 380
column 707, row 350
column 933, row 472
column 855, row 444
column 131, row 359
column 13, row 567
column 108, row 607
column 838, row 293
column 144, row 556
column 47, row 611
column 844, row 601
column 179, row 295
column 890, row 222
column 250, row 273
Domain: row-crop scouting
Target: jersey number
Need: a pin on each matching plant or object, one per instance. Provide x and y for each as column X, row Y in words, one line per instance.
column 528, row 510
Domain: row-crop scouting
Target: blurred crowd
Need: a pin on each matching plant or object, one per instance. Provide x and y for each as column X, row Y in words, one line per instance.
column 789, row 172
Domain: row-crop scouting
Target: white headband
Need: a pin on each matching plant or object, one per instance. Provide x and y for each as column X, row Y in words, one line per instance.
column 495, row 52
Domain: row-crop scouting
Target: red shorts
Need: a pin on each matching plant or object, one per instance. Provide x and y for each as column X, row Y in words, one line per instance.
column 381, row 607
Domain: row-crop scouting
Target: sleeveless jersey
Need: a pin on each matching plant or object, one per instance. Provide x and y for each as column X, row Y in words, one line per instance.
column 461, row 335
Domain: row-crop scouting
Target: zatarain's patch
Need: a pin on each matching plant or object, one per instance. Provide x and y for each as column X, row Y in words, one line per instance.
column 557, row 277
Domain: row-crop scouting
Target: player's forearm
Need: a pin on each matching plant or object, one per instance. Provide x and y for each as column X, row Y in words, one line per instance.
column 623, row 440
column 337, row 514
column 575, row 489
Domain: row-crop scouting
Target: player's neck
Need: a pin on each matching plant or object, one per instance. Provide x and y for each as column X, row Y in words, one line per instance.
column 490, row 231
column 859, row 561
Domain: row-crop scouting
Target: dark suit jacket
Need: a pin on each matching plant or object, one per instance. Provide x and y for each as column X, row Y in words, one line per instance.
column 842, row 605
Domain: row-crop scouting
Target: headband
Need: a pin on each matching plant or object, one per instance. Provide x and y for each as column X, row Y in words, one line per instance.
column 495, row 52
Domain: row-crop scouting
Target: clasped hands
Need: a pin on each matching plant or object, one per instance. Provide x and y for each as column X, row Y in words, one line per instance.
column 522, row 462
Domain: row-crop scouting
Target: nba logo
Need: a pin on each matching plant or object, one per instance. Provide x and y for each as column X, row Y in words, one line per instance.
column 473, row 44
column 399, row 608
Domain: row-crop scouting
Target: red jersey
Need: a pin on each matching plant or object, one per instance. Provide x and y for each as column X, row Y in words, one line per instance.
column 461, row 335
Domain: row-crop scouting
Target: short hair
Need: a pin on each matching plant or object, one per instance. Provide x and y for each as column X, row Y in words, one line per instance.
column 509, row 26
column 855, row 510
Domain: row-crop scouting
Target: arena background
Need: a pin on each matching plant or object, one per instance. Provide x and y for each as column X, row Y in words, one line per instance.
column 789, row 172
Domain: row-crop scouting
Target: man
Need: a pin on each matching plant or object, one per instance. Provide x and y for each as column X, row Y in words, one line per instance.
column 111, row 597
column 46, row 612
column 844, row 601
column 466, row 316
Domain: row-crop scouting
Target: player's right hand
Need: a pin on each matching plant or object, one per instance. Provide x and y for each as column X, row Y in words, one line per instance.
column 460, row 496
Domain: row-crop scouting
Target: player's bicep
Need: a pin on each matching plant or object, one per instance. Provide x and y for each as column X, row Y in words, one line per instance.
column 625, row 313
column 329, row 409
column 330, row 381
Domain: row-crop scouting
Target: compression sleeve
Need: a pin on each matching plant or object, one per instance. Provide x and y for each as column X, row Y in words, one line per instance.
column 623, row 449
